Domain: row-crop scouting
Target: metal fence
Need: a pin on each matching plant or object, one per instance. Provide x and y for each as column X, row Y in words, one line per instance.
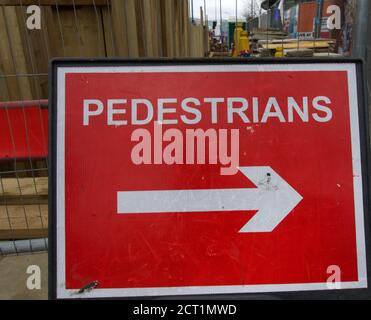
column 85, row 28
column 23, row 176
column 68, row 28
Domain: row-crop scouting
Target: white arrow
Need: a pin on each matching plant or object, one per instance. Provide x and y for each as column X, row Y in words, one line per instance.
column 274, row 199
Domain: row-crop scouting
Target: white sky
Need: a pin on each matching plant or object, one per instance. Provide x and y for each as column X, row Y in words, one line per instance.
column 228, row 8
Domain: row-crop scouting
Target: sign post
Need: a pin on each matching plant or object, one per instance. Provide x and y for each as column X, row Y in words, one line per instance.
column 207, row 177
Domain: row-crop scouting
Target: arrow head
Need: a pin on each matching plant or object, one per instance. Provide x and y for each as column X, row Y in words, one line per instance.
column 276, row 199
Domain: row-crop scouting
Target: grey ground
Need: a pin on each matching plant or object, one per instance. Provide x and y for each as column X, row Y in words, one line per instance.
column 13, row 276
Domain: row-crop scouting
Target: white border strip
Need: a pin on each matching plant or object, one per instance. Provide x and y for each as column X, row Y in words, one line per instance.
column 62, row 292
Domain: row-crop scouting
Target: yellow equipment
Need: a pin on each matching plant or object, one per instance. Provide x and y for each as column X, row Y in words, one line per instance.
column 241, row 40
column 279, row 52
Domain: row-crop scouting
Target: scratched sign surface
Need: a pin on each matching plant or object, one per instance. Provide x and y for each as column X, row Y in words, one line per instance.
column 190, row 179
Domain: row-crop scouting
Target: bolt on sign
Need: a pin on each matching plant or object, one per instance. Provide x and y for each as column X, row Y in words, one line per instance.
column 207, row 177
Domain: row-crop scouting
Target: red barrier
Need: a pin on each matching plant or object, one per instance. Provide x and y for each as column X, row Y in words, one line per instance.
column 24, row 130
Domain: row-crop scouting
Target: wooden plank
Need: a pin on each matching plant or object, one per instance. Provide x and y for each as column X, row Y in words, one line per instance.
column 327, row 54
column 14, row 217
column 24, row 186
column 300, row 45
column 131, row 30
column 140, row 25
column 4, row 91
column 109, row 41
column 280, row 41
column 23, row 208
column 192, row 41
column 186, row 30
column 82, row 31
column 175, row 28
column 18, row 53
column 202, row 36
column 8, row 167
column 39, row 47
column 23, row 200
column 156, row 28
column 148, row 32
column 29, row 43
column 180, row 28
column 206, row 37
column 169, row 27
column 91, row 30
column 196, row 41
column 119, row 27
column 20, row 234
column 9, row 86
column 12, row 56
column 178, row 36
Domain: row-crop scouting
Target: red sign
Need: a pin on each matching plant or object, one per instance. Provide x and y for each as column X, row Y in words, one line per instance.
column 197, row 179
column 25, row 132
